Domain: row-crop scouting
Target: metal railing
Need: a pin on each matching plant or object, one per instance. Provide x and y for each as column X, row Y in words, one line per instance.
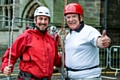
column 103, row 53
column 114, row 58
column 9, row 27
column 110, row 58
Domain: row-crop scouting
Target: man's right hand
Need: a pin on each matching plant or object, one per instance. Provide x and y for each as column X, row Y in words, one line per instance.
column 7, row 70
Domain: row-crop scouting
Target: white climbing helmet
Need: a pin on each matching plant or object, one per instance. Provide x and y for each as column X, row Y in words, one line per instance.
column 42, row 11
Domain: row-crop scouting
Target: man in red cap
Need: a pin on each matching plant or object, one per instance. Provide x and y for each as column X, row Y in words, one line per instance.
column 81, row 46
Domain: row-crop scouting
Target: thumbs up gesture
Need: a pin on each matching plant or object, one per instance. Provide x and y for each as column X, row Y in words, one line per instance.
column 104, row 33
column 104, row 41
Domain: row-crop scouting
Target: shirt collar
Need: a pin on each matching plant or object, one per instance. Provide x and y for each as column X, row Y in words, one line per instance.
column 80, row 28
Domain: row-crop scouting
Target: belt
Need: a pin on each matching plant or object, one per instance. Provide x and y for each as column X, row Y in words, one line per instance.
column 70, row 69
column 27, row 75
column 87, row 79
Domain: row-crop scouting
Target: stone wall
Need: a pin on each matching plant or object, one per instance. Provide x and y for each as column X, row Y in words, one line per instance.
column 91, row 12
column 5, row 36
column 114, row 34
column 93, row 15
column 113, row 13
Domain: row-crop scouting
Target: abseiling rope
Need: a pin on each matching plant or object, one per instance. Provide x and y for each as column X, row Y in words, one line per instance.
column 63, row 35
column 11, row 34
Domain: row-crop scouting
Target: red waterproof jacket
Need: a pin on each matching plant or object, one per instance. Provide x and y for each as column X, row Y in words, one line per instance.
column 37, row 52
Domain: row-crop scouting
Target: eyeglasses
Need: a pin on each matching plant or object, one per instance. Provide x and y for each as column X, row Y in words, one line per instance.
column 71, row 16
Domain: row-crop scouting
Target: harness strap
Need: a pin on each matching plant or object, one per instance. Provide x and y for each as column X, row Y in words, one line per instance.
column 70, row 69
column 29, row 76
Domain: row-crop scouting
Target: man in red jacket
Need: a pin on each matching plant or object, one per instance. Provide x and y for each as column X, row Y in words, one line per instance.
column 36, row 49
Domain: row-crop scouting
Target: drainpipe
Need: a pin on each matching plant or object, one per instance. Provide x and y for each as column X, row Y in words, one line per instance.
column 105, row 14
